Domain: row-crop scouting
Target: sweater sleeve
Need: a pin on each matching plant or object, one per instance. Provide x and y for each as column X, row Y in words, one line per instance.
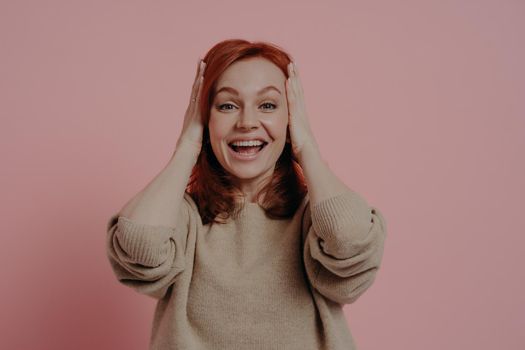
column 343, row 246
column 145, row 257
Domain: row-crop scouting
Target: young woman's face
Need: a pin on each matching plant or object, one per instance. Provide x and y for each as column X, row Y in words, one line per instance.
column 250, row 104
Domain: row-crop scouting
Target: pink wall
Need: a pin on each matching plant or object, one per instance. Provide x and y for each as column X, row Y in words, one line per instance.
column 418, row 105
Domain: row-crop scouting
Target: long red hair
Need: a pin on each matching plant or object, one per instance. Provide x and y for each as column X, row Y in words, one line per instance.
column 210, row 185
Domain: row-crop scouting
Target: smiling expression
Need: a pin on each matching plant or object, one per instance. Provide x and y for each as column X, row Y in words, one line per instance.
column 250, row 104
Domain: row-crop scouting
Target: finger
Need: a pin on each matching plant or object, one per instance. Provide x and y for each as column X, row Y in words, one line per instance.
column 196, row 83
column 200, row 71
column 289, row 88
column 290, row 70
column 195, row 96
column 194, row 91
column 297, row 80
column 292, row 74
column 199, row 91
column 290, row 97
column 197, row 73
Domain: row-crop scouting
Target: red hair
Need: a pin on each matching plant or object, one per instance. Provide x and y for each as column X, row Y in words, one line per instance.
column 210, row 185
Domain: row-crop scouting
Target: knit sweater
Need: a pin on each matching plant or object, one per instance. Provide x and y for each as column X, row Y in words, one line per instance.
column 252, row 282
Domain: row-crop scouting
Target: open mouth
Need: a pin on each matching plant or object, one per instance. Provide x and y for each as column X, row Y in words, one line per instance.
column 247, row 150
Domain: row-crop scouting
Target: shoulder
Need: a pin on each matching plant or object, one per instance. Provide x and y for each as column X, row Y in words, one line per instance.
column 189, row 210
column 189, row 202
column 304, row 213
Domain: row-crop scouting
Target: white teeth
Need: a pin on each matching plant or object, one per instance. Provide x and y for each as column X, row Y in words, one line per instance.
column 247, row 143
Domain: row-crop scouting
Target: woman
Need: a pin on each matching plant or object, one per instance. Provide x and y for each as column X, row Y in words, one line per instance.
column 246, row 238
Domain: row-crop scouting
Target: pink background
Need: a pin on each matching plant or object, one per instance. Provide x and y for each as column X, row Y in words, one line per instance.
column 417, row 105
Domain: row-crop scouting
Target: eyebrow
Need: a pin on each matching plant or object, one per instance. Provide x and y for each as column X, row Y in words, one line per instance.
column 235, row 92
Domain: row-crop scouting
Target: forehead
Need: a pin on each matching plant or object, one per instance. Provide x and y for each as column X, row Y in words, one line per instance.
column 250, row 75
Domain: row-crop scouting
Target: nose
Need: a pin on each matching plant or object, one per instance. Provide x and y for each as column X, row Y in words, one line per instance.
column 247, row 121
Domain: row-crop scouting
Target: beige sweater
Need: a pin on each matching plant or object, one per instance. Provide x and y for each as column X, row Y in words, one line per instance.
column 254, row 282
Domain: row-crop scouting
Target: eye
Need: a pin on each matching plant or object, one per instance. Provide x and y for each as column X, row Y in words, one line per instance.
column 272, row 106
column 224, row 104
column 269, row 103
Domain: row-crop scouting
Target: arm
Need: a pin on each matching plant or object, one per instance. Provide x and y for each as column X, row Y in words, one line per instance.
column 146, row 240
column 157, row 202
column 343, row 236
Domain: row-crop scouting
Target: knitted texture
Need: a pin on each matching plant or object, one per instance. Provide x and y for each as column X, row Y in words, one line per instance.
column 252, row 282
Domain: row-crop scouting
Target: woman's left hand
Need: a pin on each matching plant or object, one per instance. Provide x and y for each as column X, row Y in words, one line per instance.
column 300, row 132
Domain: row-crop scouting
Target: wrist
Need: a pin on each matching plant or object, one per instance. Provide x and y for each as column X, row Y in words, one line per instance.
column 188, row 145
column 187, row 150
column 309, row 150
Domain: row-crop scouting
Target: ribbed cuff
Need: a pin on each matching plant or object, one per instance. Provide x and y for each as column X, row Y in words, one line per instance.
column 145, row 244
column 343, row 216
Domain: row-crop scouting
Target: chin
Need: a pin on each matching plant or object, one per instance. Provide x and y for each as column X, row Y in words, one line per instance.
column 247, row 174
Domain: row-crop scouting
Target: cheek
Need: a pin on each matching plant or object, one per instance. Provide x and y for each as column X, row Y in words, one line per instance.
column 276, row 126
column 217, row 129
column 280, row 125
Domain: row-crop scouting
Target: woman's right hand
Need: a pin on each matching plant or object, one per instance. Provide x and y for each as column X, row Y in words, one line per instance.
column 193, row 128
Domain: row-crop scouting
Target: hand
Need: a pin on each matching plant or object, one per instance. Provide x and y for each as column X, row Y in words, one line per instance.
column 193, row 128
column 300, row 132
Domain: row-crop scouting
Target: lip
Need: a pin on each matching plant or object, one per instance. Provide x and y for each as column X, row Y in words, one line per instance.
column 239, row 156
column 246, row 138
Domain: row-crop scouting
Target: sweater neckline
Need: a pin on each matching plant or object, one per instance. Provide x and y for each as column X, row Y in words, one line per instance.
column 250, row 207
